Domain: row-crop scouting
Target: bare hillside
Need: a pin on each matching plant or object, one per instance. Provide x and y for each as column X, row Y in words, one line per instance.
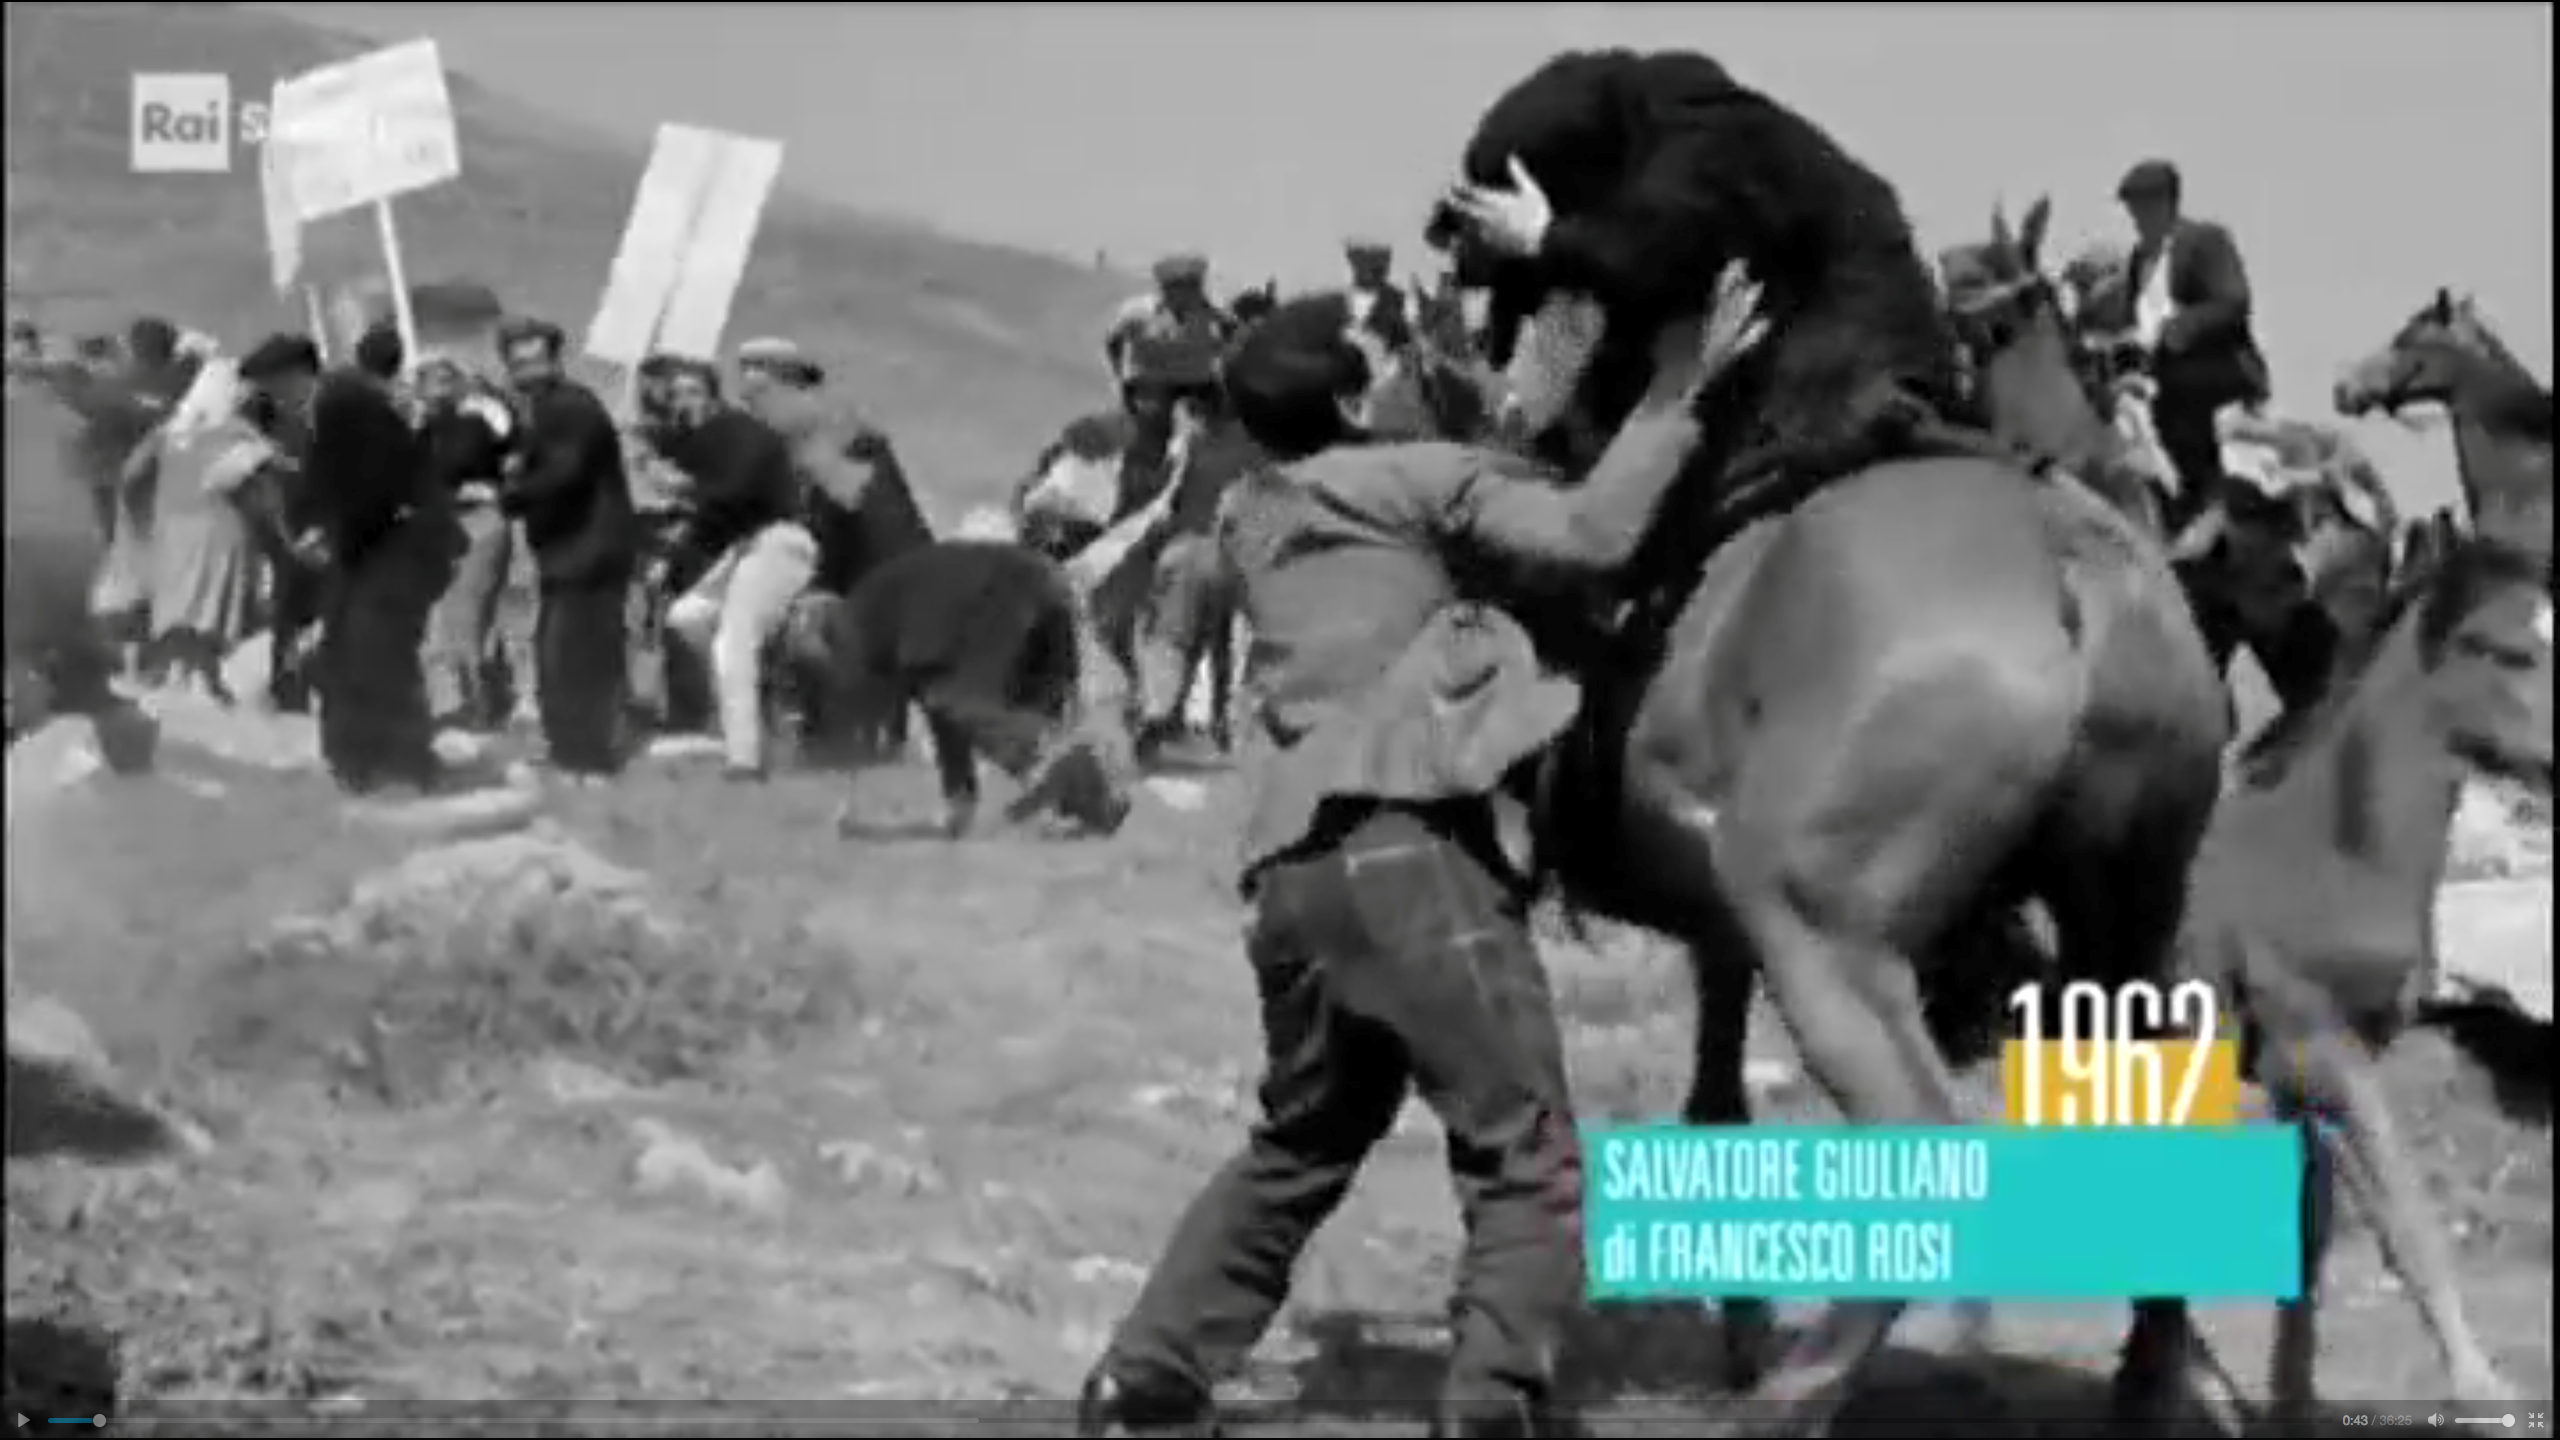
column 971, row 354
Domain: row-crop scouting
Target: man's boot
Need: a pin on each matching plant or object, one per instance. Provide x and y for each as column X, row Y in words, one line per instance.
column 1113, row 1405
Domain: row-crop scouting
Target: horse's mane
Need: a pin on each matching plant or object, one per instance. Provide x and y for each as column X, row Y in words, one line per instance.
column 2518, row 403
column 2440, row 591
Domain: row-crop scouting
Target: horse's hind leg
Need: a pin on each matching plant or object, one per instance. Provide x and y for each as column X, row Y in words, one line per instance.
column 1861, row 828
column 2117, row 891
column 1719, row 1094
column 2329, row 1074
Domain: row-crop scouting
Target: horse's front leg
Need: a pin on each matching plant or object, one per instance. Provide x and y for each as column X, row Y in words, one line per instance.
column 2329, row 1073
column 1848, row 849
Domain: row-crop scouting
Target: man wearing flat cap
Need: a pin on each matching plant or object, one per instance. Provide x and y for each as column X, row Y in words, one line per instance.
column 2185, row 296
column 1373, row 288
column 1180, row 308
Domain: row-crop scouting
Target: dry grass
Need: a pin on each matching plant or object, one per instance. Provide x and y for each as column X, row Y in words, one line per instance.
column 831, row 1131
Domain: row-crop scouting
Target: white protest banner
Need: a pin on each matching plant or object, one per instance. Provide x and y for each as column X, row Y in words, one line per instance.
column 361, row 132
column 652, row 252
column 715, row 255
column 685, row 248
column 367, row 129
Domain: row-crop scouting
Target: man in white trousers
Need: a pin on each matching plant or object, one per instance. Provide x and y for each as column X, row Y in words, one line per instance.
column 739, row 560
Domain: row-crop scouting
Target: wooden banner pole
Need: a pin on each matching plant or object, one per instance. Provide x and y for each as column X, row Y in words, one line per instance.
column 316, row 318
column 399, row 277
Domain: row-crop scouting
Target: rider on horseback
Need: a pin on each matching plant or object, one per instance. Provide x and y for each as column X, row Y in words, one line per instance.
column 2184, row 298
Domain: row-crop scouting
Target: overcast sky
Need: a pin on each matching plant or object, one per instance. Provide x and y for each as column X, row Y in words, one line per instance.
column 2363, row 154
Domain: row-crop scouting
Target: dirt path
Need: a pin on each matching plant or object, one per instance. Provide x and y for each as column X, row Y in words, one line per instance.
column 929, row 1207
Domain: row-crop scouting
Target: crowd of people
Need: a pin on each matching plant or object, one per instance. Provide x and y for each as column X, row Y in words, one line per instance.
column 373, row 519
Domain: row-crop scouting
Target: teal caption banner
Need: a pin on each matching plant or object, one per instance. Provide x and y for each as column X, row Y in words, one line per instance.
column 1990, row 1212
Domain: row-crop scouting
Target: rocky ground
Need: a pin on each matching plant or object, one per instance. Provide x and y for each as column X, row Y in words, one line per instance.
column 673, row 1100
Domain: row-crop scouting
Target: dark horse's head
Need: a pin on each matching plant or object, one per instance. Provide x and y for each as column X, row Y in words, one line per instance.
column 1661, row 168
column 1252, row 307
column 2032, row 379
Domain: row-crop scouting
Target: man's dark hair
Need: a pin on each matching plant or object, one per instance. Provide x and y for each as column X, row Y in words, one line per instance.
column 152, row 341
column 679, row 366
column 280, row 355
column 525, row 327
column 2151, row 179
column 379, row 351
column 261, row 410
column 1287, row 379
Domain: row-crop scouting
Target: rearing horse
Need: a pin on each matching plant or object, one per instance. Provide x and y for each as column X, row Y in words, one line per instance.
column 1910, row 688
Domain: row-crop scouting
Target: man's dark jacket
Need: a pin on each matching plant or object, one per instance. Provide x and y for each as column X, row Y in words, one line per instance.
column 742, row 482
column 364, row 470
column 2209, row 350
column 570, row 491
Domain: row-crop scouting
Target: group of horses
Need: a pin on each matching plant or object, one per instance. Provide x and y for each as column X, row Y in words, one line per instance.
column 1929, row 698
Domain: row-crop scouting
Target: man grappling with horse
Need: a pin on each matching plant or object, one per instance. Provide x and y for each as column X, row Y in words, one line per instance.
column 1389, row 933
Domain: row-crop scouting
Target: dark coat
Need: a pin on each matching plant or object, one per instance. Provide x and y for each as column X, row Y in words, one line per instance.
column 2209, row 346
column 743, row 481
column 1661, row 168
column 976, row 625
column 366, row 465
column 570, row 491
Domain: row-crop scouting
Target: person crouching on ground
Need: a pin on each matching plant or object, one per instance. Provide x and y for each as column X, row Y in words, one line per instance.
column 568, row 490
column 982, row 637
column 746, row 539
column 854, row 493
column 390, row 546
column 464, row 433
column 1389, row 934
